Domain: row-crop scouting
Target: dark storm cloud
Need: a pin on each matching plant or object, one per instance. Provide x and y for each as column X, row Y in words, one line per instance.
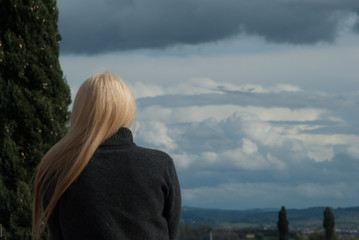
column 101, row 26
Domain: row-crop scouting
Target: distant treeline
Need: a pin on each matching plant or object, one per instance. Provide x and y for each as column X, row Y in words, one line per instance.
column 345, row 218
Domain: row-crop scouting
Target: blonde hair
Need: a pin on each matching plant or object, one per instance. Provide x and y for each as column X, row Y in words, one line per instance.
column 103, row 104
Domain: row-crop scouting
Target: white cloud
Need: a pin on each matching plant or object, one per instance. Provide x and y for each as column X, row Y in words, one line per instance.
column 322, row 139
column 155, row 134
column 190, row 87
column 196, row 86
column 320, row 153
column 318, row 147
column 285, row 114
column 353, row 149
column 248, row 157
column 155, row 113
column 261, row 131
column 245, row 161
column 183, row 160
column 209, row 157
column 186, row 114
column 215, row 87
column 257, row 88
column 253, row 130
column 249, row 147
column 275, row 162
column 221, row 112
column 141, row 89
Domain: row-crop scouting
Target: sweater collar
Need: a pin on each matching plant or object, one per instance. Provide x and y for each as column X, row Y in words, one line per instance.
column 122, row 137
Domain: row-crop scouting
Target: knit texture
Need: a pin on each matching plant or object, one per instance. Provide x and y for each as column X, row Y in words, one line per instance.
column 125, row 192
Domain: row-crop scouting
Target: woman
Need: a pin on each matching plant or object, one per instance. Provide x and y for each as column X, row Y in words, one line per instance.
column 96, row 183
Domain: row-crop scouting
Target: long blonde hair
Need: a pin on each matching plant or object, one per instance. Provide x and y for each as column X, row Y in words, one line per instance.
column 102, row 105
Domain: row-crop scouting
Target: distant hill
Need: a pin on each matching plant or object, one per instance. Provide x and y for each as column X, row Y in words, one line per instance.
column 312, row 218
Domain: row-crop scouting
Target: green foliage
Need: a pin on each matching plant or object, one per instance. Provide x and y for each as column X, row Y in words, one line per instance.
column 282, row 224
column 225, row 234
column 190, row 232
column 329, row 224
column 316, row 236
column 201, row 232
column 33, row 104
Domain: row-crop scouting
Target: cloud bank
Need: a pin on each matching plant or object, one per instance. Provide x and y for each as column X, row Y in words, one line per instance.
column 97, row 26
column 255, row 146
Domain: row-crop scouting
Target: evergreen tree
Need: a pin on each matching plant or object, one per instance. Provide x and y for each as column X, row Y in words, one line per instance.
column 329, row 224
column 33, row 104
column 282, row 224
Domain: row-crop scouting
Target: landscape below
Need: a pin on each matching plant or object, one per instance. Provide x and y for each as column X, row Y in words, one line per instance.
column 305, row 221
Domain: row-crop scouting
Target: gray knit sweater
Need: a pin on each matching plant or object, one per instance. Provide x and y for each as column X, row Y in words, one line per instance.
column 125, row 192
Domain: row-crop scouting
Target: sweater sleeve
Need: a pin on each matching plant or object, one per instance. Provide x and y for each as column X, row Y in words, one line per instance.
column 173, row 204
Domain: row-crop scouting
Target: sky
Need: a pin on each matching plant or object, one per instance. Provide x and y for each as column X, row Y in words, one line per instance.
column 257, row 101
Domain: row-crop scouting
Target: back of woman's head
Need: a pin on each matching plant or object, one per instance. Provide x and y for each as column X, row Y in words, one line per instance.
column 102, row 105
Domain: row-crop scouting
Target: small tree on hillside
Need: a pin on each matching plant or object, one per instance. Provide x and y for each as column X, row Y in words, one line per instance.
column 33, row 104
column 329, row 224
column 282, row 224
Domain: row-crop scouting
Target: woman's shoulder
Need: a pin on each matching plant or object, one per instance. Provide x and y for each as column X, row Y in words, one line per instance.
column 152, row 151
column 132, row 155
column 151, row 154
